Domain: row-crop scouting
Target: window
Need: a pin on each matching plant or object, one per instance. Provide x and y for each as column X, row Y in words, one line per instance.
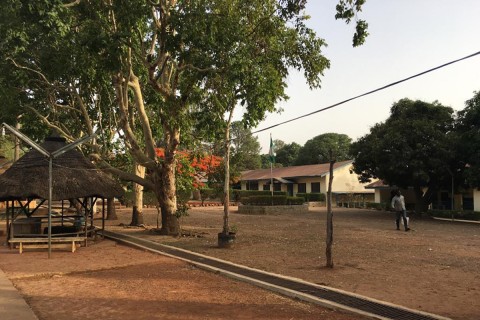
column 302, row 188
column 266, row 187
column 277, row 187
column 252, row 185
column 315, row 187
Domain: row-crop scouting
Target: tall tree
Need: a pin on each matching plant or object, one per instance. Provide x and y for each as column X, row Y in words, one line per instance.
column 287, row 155
column 106, row 62
column 330, row 147
column 467, row 127
column 316, row 150
column 412, row 148
column 245, row 149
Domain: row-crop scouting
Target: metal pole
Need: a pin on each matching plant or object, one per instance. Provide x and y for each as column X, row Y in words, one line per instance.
column 453, row 190
column 50, row 187
column 271, row 179
column 103, row 217
column 7, row 213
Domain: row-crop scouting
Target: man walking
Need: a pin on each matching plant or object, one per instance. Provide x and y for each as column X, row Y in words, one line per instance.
column 398, row 204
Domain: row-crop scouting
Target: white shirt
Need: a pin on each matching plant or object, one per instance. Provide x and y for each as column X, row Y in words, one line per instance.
column 398, row 203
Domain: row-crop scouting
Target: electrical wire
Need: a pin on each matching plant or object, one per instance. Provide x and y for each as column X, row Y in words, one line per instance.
column 368, row 93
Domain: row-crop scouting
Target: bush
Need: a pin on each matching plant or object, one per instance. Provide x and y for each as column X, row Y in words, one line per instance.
column 295, row 201
column 457, row 214
column 277, row 200
column 262, row 200
column 313, row 196
column 376, row 205
column 208, row 193
column 149, row 199
column 238, row 195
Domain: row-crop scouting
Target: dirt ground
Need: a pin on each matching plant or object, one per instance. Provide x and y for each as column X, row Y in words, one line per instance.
column 433, row 268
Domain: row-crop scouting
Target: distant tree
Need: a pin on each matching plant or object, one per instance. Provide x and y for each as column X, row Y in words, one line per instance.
column 412, row 148
column 278, row 144
column 7, row 147
column 316, row 150
column 287, row 154
column 468, row 144
column 265, row 160
column 245, row 154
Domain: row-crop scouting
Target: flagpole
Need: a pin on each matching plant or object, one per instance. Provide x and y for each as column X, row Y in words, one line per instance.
column 271, row 165
column 271, row 178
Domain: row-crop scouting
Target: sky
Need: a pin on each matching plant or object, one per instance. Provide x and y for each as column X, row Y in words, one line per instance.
column 406, row 38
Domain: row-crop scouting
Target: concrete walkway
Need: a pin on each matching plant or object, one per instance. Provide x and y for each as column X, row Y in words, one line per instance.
column 12, row 305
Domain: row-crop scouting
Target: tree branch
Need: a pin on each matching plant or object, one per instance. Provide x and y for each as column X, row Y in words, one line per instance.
column 51, row 125
column 130, row 138
column 147, row 131
column 32, row 70
column 105, row 166
column 71, row 4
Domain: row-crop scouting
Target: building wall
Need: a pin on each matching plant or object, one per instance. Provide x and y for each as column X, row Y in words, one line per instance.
column 476, row 200
column 344, row 181
column 308, row 181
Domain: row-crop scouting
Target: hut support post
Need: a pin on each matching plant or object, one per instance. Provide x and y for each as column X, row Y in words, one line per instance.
column 7, row 214
column 50, row 187
column 103, row 217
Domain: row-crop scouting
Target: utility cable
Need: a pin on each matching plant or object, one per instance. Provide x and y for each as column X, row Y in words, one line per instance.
column 369, row 92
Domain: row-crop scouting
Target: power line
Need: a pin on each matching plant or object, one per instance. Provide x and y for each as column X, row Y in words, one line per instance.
column 369, row 92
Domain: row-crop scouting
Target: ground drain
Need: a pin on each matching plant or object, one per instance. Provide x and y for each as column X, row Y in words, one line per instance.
column 371, row 307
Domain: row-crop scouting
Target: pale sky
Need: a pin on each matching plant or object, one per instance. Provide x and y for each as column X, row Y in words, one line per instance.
column 406, row 38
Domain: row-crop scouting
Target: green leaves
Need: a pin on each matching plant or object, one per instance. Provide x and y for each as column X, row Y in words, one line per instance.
column 324, row 148
column 348, row 10
column 468, row 142
column 411, row 148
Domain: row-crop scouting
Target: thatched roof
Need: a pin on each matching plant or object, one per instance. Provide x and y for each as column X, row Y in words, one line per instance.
column 74, row 176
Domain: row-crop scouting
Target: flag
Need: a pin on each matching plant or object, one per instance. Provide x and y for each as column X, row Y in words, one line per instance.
column 271, row 153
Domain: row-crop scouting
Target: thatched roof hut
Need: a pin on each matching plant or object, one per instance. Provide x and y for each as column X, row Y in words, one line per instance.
column 73, row 175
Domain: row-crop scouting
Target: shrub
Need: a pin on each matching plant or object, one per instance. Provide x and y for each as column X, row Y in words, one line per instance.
column 456, row 214
column 277, row 200
column 208, row 193
column 314, row 196
column 295, row 200
column 376, row 205
column 263, row 200
column 149, row 199
column 238, row 195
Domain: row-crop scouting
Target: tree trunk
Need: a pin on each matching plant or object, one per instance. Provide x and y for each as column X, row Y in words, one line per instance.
column 226, row 184
column 137, row 211
column 111, row 210
column 16, row 150
column 329, row 240
column 422, row 200
column 166, row 189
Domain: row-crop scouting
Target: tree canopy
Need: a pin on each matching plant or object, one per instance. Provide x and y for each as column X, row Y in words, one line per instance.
column 318, row 149
column 468, row 143
column 143, row 74
column 412, row 148
column 287, row 154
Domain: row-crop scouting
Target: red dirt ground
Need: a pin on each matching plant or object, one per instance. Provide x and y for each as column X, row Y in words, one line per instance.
column 435, row 268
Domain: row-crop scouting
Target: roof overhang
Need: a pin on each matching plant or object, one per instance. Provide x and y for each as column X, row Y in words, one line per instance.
column 283, row 180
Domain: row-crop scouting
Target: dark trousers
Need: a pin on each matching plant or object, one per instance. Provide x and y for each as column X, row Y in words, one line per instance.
column 401, row 214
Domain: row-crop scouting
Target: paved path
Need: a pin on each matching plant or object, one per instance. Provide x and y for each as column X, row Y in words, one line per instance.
column 12, row 305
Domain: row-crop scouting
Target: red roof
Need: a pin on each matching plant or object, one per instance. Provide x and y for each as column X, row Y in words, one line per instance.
column 377, row 185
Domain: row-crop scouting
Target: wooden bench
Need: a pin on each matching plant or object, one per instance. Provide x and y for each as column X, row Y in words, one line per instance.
column 56, row 242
